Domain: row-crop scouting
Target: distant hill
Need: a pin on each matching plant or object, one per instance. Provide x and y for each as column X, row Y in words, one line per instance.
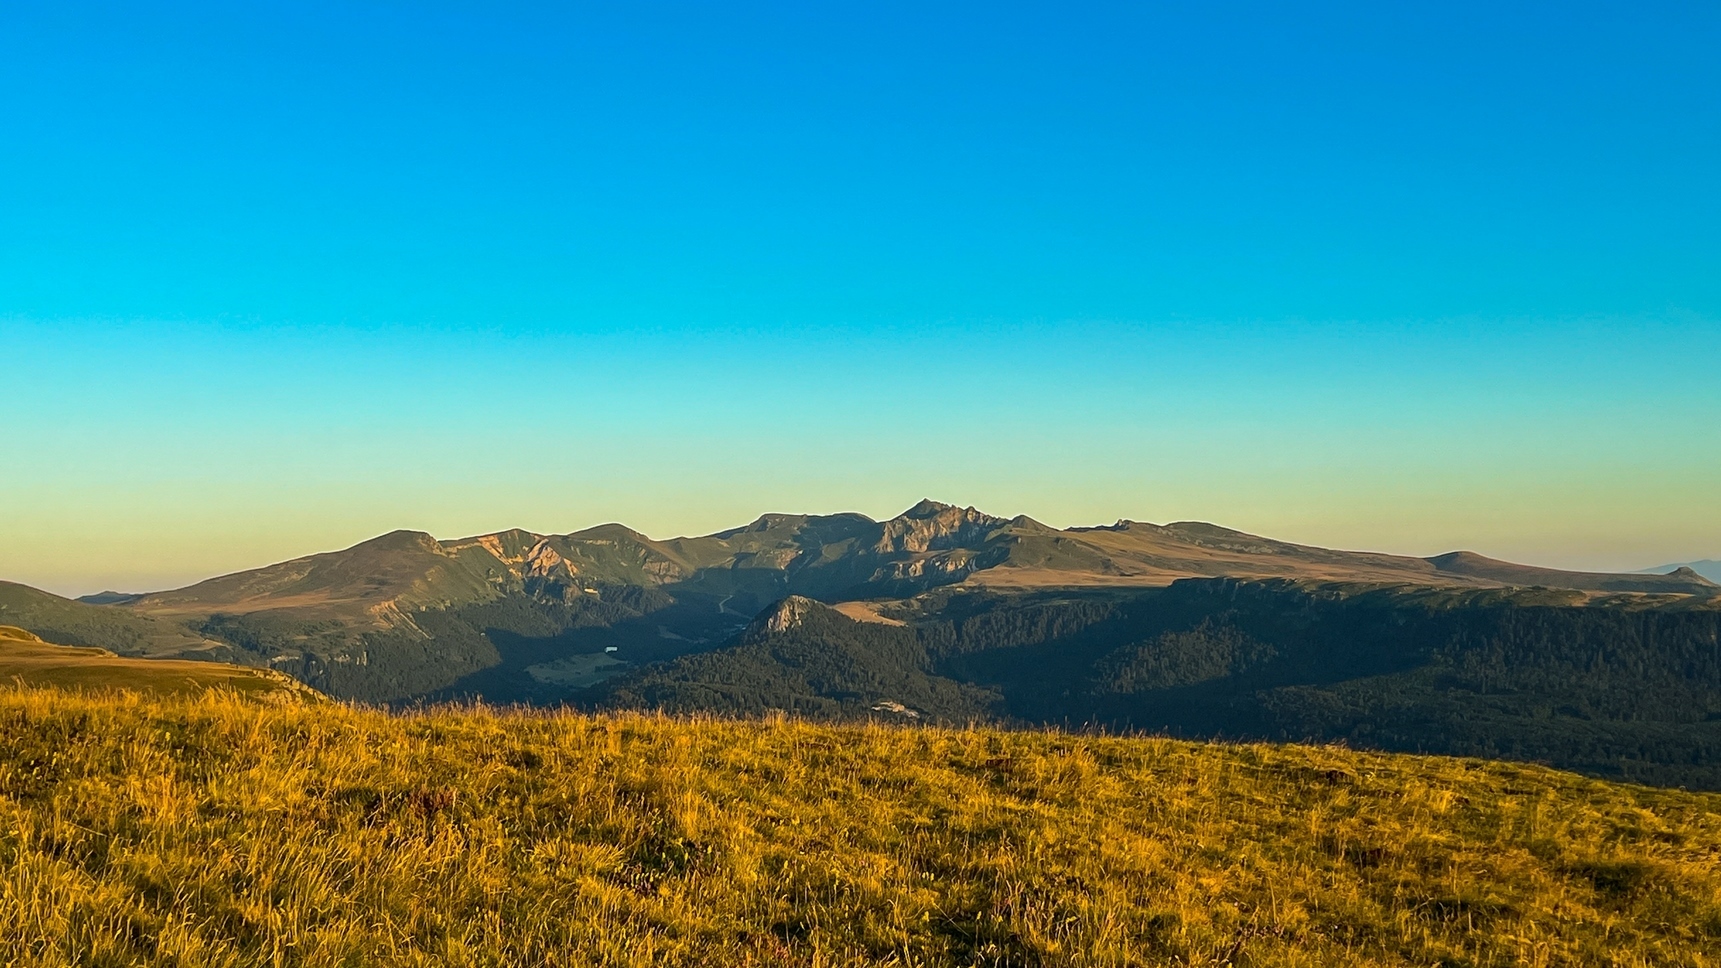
column 25, row 659
column 1708, row 568
column 1472, row 565
column 520, row 616
column 122, row 631
column 109, row 598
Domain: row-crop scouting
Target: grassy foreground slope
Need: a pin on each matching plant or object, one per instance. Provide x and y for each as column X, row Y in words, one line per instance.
column 215, row 831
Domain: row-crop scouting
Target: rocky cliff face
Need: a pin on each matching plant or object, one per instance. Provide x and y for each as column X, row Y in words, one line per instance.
column 785, row 615
column 931, row 526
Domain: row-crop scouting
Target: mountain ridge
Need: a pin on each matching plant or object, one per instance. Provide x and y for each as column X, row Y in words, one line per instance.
column 515, row 612
column 930, row 543
column 948, row 614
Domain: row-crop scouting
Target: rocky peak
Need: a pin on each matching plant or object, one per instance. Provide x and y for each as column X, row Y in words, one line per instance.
column 927, row 508
column 765, row 522
column 930, row 525
column 1123, row 524
column 543, row 561
column 786, row 614
column 1690, row 574
column 768, row 521
column 402, row 540
column 510, row 547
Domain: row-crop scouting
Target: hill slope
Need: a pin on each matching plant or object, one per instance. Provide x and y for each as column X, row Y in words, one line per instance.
column 1472, row 565
column 1709, row 568
column 118, row 630
column 208, row 834
column 27, row 660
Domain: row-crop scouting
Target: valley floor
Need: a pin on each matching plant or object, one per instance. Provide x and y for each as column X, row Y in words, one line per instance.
column 219, row 830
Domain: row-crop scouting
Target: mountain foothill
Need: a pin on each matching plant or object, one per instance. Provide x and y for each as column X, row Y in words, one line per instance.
column 947, row 614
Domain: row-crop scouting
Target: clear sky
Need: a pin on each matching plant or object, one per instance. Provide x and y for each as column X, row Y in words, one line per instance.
column 278, row 277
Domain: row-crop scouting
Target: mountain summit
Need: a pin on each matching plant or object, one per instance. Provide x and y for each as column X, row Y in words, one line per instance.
column 790, row 613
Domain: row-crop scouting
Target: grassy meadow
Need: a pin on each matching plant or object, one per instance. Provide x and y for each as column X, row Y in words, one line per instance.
column 214, row 829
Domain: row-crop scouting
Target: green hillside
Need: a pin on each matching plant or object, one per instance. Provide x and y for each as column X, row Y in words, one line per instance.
column 27, row 660
column 803, row 658
column 214, row 832
column 118, row 630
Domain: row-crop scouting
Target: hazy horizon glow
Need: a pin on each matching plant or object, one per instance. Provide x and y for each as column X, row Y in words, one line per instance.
column 277, row 279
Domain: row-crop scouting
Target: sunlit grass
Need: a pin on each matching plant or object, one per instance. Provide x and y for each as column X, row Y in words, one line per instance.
column 224, row 831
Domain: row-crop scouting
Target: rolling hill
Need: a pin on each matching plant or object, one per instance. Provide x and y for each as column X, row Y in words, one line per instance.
column 27, row 661
column 121, row 631
column 1709, row 568
column 1472, row 565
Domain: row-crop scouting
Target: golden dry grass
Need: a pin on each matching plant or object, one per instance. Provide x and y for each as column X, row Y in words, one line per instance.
column 217, row 830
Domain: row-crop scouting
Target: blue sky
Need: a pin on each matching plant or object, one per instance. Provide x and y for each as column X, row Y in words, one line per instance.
column 274, row 278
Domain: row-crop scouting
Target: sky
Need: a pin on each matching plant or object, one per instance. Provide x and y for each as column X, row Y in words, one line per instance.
column 275, row 278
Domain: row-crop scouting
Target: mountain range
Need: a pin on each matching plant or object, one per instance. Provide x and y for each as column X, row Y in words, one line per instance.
column 948, row 614
column 519, row 615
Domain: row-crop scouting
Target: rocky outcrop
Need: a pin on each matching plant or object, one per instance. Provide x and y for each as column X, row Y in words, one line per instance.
column 786, row 614
column 931, row 526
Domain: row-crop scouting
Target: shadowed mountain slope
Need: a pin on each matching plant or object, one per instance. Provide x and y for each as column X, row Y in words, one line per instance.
column 1625, row 687
column 806, row 658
